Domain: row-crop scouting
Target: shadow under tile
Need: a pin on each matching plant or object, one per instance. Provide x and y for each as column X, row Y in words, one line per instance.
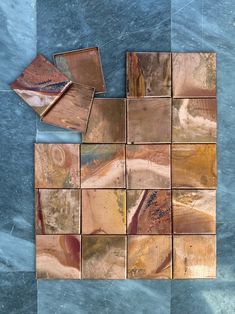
column 18, row 293
column 116, row 297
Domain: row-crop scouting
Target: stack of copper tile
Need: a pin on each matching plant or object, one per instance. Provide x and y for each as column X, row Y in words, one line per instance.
column 137, row 199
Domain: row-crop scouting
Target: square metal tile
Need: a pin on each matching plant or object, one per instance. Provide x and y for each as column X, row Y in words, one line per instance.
column 82, row 66
column 148, row 74
column 149, row 257
column 149, row 120
column 104, row 211
column 58, row 256
column 57, row 166
column 103, row 257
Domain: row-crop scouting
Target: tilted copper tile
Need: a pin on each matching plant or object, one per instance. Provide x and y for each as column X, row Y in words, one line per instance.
column 72, row 110
column 58, row 256
column 148, row 166
column 194, row 120
column 194, row 166
column 194, row 75
column 57, row 166
column 148, row 74
column 194, row 256
column 57, row 211
column 40, row 85
column 103, row 257
column 194, row 211
column 104, row 211
column 149, row 120
column 102, row 166
column 82, row 66
column 149, row 211
column 149, row 257
column 107, row 121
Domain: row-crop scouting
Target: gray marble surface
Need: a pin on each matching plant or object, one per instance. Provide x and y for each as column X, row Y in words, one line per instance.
column 115, row 26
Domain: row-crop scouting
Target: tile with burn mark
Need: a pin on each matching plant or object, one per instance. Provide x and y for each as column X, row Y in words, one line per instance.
column 194, row 256
column 149, row 257
column 194, row 120
column 58, row 256
column 72, row 110
column 104, row 211
column 148, row 166
column 102, row 166
column 57, row 211
column 194, row 166
column 194, row 75
column 103, row 257
column 149, row 211
column 82, row 66
column 40, row 85
column 107, row 121
column 149, row 120
column 57, row 166
column 148, row 74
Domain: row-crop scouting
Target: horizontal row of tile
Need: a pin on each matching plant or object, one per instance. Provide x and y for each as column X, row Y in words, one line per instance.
column 152, row 120
column 118, row 257
column 72, row 211
column 150, row 166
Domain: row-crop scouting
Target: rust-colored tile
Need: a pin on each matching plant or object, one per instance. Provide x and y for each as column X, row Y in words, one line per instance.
column 194, row 120
column 40, row 85
column 57, row 211
column 194, row 75
column 58, row 256
column 148, row 166
column 149, row 257
column 194, row 166
column 149, row 120
column 72, row 110
column 82, row 66
column 194, row 211
column 57, row 166
column 104, row 211
column 107, row 121
column 148, row 74
column 102, row 166
column 149, row 211
column 103, row 257
column 194, row 256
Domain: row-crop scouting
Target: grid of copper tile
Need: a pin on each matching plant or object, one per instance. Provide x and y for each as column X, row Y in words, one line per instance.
column 137, row 199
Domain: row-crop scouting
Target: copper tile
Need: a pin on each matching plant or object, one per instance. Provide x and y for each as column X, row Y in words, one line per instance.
column 102, row 166
column 149, row 211
column 103, row 257
column 148, row 74
column 57, row 166
column 148, row 166
column 194, row 256
column 107, row 122
column 58, row 256
column 194, row 120
column 194, row 75
column 57, row 211
column 40, row 85
column 72, row 110
column 149, row 257
column 194, row 211
column 104, row 211
column 149, row 120
column 82, row 66
column 194, row 166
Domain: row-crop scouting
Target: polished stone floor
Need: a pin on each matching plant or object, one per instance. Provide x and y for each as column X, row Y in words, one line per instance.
column 30, row 26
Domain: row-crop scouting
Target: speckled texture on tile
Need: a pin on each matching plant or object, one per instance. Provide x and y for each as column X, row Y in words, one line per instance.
column 16, row 194
column 116, row 297
column 18, row 293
